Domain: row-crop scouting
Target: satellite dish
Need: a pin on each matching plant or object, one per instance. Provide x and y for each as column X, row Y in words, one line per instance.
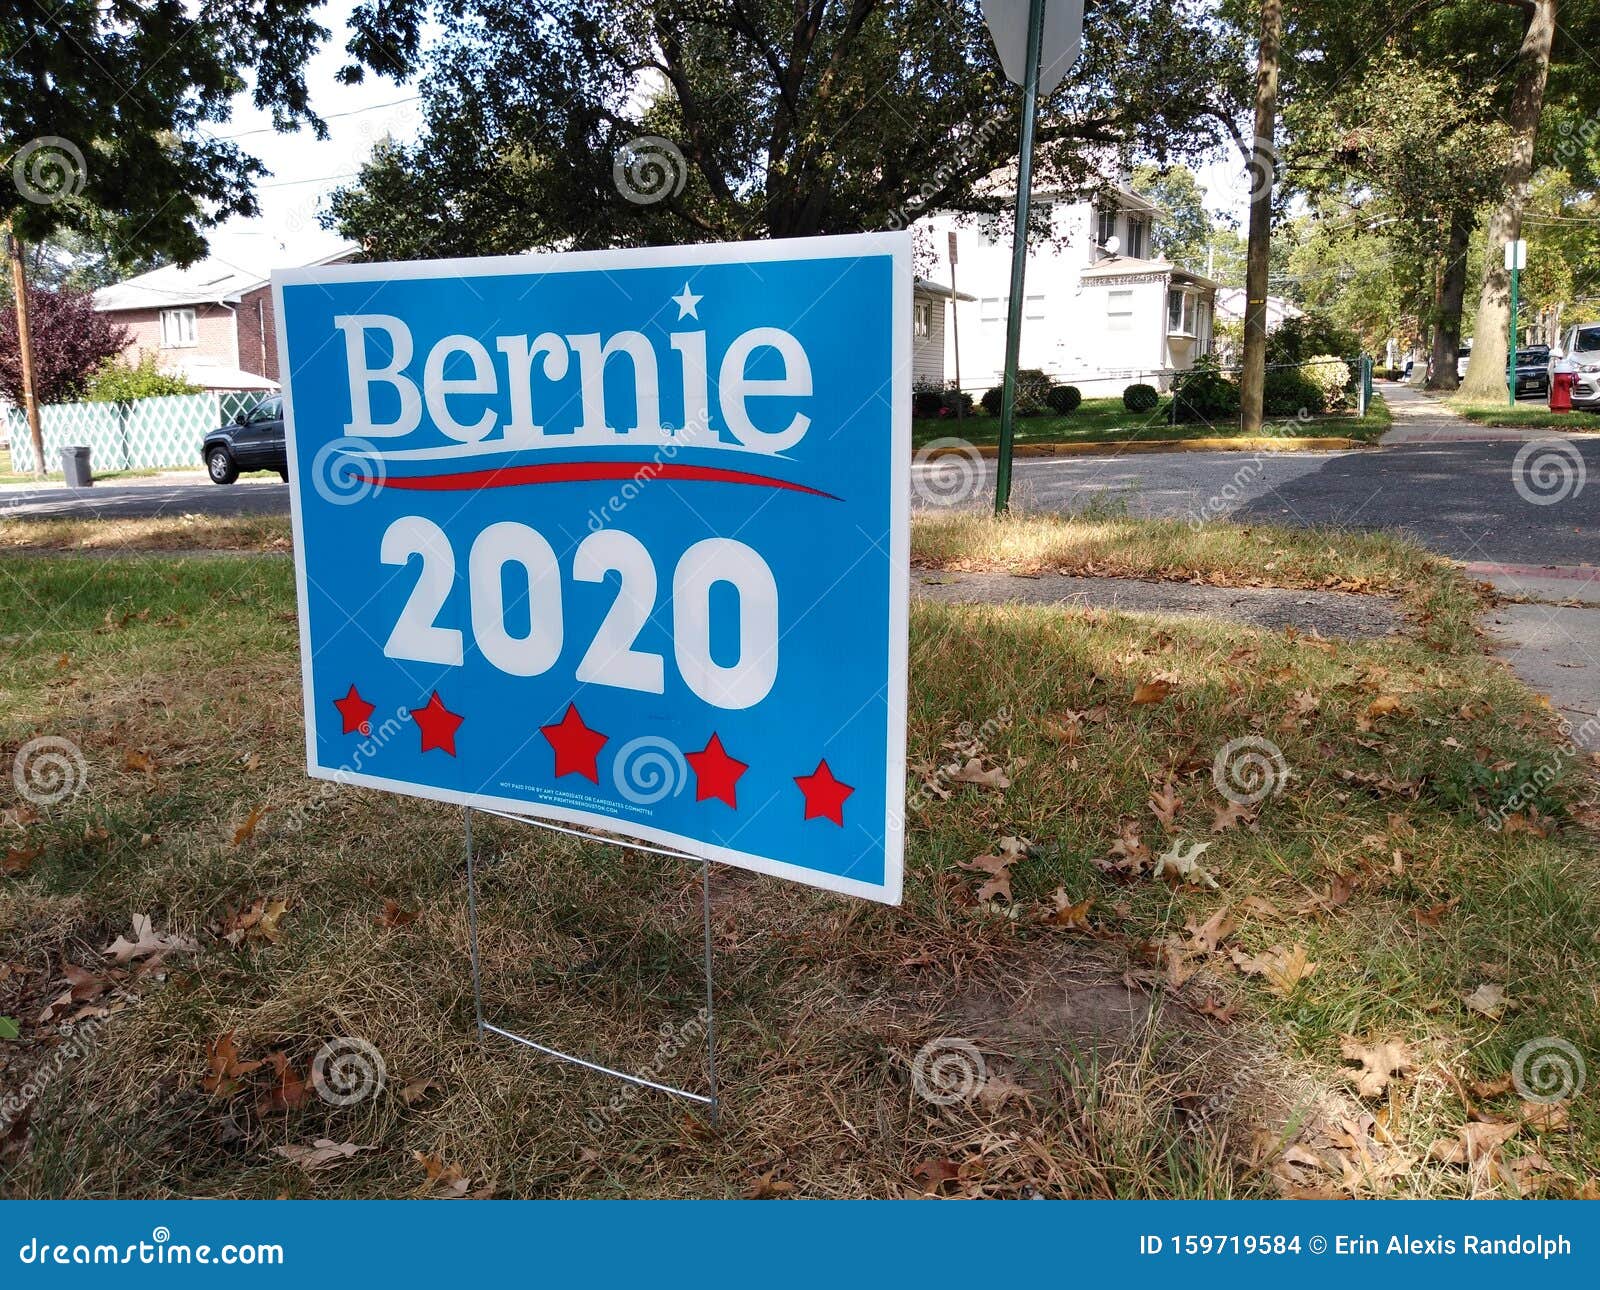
column 1112, row 244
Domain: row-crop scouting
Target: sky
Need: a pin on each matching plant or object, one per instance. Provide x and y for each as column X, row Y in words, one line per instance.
column 307, row 170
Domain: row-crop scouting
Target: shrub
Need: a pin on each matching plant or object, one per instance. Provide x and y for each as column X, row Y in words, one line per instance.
column 991, row 401
column 1287, row 393
column 1331, row 375
column 925, row 401
column 1203, row 394
column 118, row 381
column 1140, row 398
column 1296, row 340
column 1063, row 400
column 1033, row 392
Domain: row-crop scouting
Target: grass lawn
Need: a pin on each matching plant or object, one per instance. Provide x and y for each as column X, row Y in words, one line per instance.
column 1141, row 1035
column 1107, row 421
column 9, row 475
column 1526, row 416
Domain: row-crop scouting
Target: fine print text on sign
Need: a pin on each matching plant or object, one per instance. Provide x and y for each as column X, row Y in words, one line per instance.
column 617, row 539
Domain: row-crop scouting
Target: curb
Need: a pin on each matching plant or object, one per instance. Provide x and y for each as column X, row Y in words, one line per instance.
column 1120, row 446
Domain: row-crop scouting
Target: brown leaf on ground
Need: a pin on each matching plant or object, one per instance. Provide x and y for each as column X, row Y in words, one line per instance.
column 1379, row 1063
column 288, row 1092
column 1211, row 1006
column 974, row 772
column 247, row 830
column 1433, row 915
column 441, row 1176
column 1129, row 855
column 321, row 1154
column 135, row 760
column 1068, row 732
column 1153, row 691
column 391, row 915
column 770, row 1187
column 934, row 1174
column 1164, row 803
column 997, row 866
column 997, row 1090
column 147, row 941
column 257, row 923
column 414, row 1091
column 1385, row 705
column 1282, row 969
column 1479, row 1141
column 1067, row 912
column 1544, row 1117
column 1207, row 936
column 19, row 860
column 1488, row 999
column 1497, row 1087
column 222, row 1058
column 1225, row 817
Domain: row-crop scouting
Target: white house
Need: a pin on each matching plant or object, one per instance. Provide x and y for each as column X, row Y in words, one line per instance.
column 1100, row 312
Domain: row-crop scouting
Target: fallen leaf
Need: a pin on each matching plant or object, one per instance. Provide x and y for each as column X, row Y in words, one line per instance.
column 19, row 860
column 393, row 916
column 1379, row 1063
column 1225, row 817
column 320, row 1154
column 933, row 1174
column 247, row 830
column 1184, row 865
column 1222, row 1014
column 997, row 1090
column 440, row 1175
column 1488, row 999
column 769, row 1187
column 222, row 1057
column 133, row 759
column 1207, row 936
column 1478, row 1140
column 1283, row 969
column 290, row 1090
column 1067, row 912
column 1164, row 804
column 1544, row 1117
column 416, row 1090
column 147, row 941
column 1154, row 691
column 975, row 773
column 1433, row 915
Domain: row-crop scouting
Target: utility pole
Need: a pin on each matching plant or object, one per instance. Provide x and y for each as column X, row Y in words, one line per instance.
column 1253, row 376
column 30, row 402
column 955, row 329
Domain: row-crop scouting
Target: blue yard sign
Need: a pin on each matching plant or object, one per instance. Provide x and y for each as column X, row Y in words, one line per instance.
column 617, row 539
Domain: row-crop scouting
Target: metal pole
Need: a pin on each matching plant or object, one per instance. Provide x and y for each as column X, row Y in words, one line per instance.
column 1511, row 349
column 472, row 927
column 1019, row 258
column 955, row 329
column 711, row 1015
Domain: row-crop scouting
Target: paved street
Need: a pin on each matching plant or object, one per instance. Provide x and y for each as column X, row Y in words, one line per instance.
column 141, row 498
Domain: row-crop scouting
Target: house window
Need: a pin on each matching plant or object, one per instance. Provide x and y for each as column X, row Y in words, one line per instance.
column 1119, row 311
column 1180, row 312
column 992, row 309
column 1105, row 225
column 177, row 328
column 921, row 319
column 1137, row 229
column 1033, row 306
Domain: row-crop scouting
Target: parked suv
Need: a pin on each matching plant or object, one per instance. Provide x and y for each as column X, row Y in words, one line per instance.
column 1579, row 353
column 253, row 442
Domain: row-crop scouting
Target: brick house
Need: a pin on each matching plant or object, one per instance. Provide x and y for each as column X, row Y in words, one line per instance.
column 211, row 322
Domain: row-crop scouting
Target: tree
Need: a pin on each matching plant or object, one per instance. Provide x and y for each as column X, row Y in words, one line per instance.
column 616, row 122
column 1258, row 242
column 1183, row 229
column 70, row 340
column 118, row 381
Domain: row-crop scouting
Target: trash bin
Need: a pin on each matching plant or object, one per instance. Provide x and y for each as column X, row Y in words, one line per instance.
column 75, row 466
column 1561, row 391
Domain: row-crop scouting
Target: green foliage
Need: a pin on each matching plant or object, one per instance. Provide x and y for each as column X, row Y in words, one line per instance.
column 1063, row 400
column 1033, row 392
column 118, row 381
column 1332, row 376
column 991, row 401
column 750, row 122
column 1204, row 394
column 1298, row 340
column 1287, row 393
column 1141, row 398
column 1184, row 232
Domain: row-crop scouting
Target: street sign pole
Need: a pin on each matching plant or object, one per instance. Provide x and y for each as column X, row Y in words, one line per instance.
column 955, row 329
column 1516, row 258
column 1019, row 257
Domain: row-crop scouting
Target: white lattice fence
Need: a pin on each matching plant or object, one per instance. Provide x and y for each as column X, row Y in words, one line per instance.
column 142, row 435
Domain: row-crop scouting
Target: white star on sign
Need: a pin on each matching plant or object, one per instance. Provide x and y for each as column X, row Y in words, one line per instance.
column 687, row 302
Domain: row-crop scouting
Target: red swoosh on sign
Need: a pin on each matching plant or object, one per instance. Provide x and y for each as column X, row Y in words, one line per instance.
column 566, row 472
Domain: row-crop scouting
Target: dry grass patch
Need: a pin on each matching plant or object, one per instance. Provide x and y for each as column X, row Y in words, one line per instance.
column 166, row 534
column 1131, row 1036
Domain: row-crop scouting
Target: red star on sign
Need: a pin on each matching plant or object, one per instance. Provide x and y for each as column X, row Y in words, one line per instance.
column 824, row 794
column 438, row 725
column 576, row 746
column 715, row 773
column 354, row 710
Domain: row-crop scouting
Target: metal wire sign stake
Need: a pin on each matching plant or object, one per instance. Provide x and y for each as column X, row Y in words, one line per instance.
column 615, row 542
column 709, row 1100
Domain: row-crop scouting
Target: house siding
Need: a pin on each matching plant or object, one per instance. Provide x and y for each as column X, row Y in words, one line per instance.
column 258, row 335
column 216, row 339
column 927, row 352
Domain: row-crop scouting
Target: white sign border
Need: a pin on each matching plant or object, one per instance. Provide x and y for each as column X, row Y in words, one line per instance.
column 897, row 246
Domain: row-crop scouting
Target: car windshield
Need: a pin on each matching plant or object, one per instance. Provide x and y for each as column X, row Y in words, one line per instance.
column 1586, row 341
column 1532, row 355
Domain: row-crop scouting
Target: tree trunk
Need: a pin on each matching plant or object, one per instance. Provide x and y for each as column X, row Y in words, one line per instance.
column 1447, row 308
column 1258, row 250
column 1486, row 373
column 30, row 400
